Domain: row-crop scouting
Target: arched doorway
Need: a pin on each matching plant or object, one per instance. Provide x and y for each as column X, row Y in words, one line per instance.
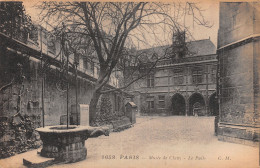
column 197, row 105
column 213, row 105
column 178, row 104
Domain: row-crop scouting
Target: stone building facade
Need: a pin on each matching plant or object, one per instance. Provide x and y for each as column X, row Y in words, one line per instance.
column 181, row 86
column 32, row 80
column 238, row 77
column 23, row 60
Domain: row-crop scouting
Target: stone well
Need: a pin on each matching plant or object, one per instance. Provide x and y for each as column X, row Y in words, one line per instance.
column 64, row 144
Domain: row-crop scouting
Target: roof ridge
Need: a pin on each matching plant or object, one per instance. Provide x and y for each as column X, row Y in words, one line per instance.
column 199, row 40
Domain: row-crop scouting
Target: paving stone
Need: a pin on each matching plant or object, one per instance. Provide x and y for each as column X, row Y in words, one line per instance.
column 183, row 136
column 37, row 161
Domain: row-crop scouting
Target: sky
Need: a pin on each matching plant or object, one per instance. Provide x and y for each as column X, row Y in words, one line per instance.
column 210, row 12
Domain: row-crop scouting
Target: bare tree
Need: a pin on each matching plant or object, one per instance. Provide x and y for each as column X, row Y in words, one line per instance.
column 111, row 28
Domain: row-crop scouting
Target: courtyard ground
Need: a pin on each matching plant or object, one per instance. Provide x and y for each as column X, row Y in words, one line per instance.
column 175, row 141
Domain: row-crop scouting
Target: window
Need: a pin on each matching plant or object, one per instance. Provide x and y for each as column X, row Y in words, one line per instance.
column 197, row 75
column 178, row 77
column 76, row 58
column 150, row 80
column 150, row 102
column 92, row 67
column 98, row 70
column 161, row 101
column 154, row 56
column 85, row 63
column 33, row 35
column 213, row 75
column 44, row 37
column 150, row 105
column 51, row 45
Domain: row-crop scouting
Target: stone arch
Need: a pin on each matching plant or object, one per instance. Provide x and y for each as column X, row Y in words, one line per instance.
column 197, row 105
column 178, row 104
column 213, row 105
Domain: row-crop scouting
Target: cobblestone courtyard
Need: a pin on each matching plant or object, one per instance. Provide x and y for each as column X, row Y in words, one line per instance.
column 175, row 141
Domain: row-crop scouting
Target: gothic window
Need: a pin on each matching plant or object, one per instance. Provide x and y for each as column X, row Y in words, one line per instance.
column 150, row 80
column 33, row 35
column 92, row 67
column 197, row 75
column 213, row 75
column 85, row 63
column 178, row 76
column 51, row 44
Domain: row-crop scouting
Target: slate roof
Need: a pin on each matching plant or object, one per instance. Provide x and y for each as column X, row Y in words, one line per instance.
column 201, row 47
column 197, row 48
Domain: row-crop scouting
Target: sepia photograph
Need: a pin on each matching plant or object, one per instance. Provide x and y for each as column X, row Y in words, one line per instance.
column 152, row 84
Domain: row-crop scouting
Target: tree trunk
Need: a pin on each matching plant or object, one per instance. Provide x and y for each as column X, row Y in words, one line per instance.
column 93, row 106
column 101, row 81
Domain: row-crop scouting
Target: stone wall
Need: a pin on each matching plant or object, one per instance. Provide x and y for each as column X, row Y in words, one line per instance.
column 21, row 100
column 238, row 73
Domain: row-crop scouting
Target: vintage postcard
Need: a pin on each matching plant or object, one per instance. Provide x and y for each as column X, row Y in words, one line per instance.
column 129, row 84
